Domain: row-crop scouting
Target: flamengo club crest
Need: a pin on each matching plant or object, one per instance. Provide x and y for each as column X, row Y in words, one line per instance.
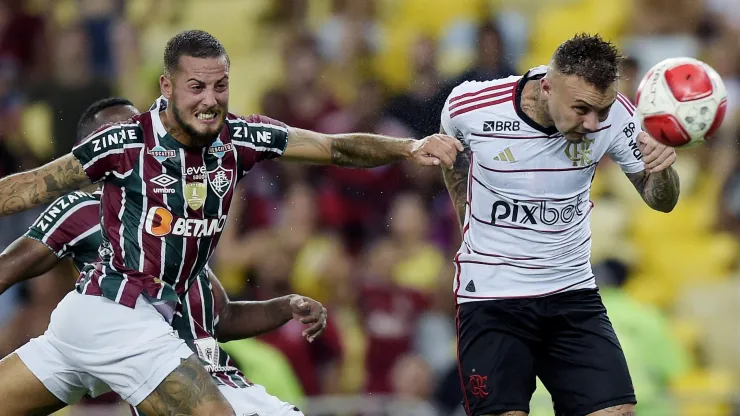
column 195, row 194
column 220, row 180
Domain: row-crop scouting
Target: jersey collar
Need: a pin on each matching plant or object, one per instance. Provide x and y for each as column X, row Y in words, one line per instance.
column 518, row 103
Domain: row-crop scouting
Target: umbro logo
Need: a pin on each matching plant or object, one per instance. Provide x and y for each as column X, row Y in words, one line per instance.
column 164, row 181
column 505, row 156
column 492, row 126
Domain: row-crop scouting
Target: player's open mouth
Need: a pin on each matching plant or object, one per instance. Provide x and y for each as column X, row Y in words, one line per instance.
column 206, row 117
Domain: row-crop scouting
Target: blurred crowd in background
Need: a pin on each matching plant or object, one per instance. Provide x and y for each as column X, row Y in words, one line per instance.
column 375, row 246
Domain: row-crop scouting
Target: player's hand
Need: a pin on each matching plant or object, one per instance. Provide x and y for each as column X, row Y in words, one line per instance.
column 435, row 150
column 655, row 155
column 308, row 311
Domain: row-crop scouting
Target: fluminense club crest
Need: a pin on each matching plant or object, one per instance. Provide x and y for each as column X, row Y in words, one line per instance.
column 220, row 180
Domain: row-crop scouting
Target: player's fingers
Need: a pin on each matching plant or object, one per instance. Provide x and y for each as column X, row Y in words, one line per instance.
column 312, row 317
column 438, row 151
column 660, row 159
column 316, row 329
column 649, row 157
column 426, row 160
column 453, row 142
column 643, row 138
column 447, row 143
column 665, row 164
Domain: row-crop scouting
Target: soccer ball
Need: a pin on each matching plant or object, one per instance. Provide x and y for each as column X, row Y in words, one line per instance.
column 681, row 101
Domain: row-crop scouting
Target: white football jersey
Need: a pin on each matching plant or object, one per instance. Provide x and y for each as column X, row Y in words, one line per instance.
column 526, row 230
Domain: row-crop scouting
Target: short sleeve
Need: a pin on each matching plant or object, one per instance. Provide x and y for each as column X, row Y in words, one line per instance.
column 66, row 222
column 103, row 151
column 623, row 148
column 446, row 121
column 257, row 138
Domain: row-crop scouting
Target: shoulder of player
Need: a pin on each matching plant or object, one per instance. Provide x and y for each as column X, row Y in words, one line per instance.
column 255, row 130
column 78, row 207
column 472, row 89
column 622, row 110
column 255, row 121
column 116, row 134
column 71, row 201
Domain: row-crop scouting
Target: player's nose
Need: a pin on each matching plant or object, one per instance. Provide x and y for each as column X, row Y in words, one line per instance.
column 591, row 122
column 209, row 98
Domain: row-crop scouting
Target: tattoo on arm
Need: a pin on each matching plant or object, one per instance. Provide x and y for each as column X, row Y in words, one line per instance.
column 660, row 190
column 367, row 150
column 25, row 190
column 360, row 150
column 188, row 390
column 456, row 181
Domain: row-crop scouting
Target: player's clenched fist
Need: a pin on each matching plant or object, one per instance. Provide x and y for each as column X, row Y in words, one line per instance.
column 435, row 150
column 655, row 155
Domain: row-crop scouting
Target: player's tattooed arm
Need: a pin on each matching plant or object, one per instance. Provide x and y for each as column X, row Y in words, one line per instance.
column 363, row 150
column 352, row 150
column 24, row 259
column 188, row 390
column 659, row 190
column 26, row 190
column 238, row 320
column 456, row 181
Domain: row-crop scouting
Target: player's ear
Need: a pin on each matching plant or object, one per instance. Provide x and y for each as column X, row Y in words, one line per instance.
column 545, row 86
column 165, row 86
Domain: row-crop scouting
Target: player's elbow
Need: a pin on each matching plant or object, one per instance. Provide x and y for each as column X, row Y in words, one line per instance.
column 667, row 205
column 7, row 275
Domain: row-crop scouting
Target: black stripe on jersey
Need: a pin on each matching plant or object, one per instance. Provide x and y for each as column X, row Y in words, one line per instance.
column 518, row 104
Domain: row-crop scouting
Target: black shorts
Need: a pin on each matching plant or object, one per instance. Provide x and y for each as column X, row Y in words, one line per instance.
column 565, row 339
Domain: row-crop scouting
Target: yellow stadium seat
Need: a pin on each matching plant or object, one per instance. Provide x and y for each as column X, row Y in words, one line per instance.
column 36, row 121
column 404, row 21
column 704, row 392
column 647, row 289
column 555, row 24
column 688, row 333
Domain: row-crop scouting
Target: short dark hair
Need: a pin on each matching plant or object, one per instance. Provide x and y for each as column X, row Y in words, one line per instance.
column 194, row 43
column 86, row 126
column 589, row 57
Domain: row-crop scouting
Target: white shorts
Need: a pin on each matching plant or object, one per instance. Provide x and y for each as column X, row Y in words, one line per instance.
column 96, row 345
column 253, row 401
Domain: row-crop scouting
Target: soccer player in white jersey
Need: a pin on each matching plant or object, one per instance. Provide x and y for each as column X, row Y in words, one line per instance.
column 528, row 305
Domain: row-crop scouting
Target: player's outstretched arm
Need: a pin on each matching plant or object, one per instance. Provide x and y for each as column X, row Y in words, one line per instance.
column 26, row 190
column 239, row 320
column 24, row 259
column 363, row 150
column 658, row 184
column 456, row 181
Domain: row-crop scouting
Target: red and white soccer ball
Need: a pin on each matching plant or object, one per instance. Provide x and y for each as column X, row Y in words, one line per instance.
column 681, row 101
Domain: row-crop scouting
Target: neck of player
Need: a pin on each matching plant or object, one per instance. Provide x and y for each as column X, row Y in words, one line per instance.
column 533, row 105
column 174, row 129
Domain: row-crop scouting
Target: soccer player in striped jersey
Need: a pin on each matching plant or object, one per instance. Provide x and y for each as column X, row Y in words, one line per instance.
column 528, row 305
column 70, row 227
column 168, row 179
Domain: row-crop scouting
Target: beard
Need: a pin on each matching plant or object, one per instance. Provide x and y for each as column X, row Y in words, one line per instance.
column 202, row 139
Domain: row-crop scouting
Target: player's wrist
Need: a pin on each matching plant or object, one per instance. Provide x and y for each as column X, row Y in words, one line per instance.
column 408, row 146
column 285, row 307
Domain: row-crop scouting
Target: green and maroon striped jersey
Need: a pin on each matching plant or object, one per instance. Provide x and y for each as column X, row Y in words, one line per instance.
column 71, row 227
column 164, row 205
column 195, row 321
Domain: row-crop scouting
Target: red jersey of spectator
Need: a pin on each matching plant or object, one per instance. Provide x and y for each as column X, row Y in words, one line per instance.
column 307, row 358
column 390, row 313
